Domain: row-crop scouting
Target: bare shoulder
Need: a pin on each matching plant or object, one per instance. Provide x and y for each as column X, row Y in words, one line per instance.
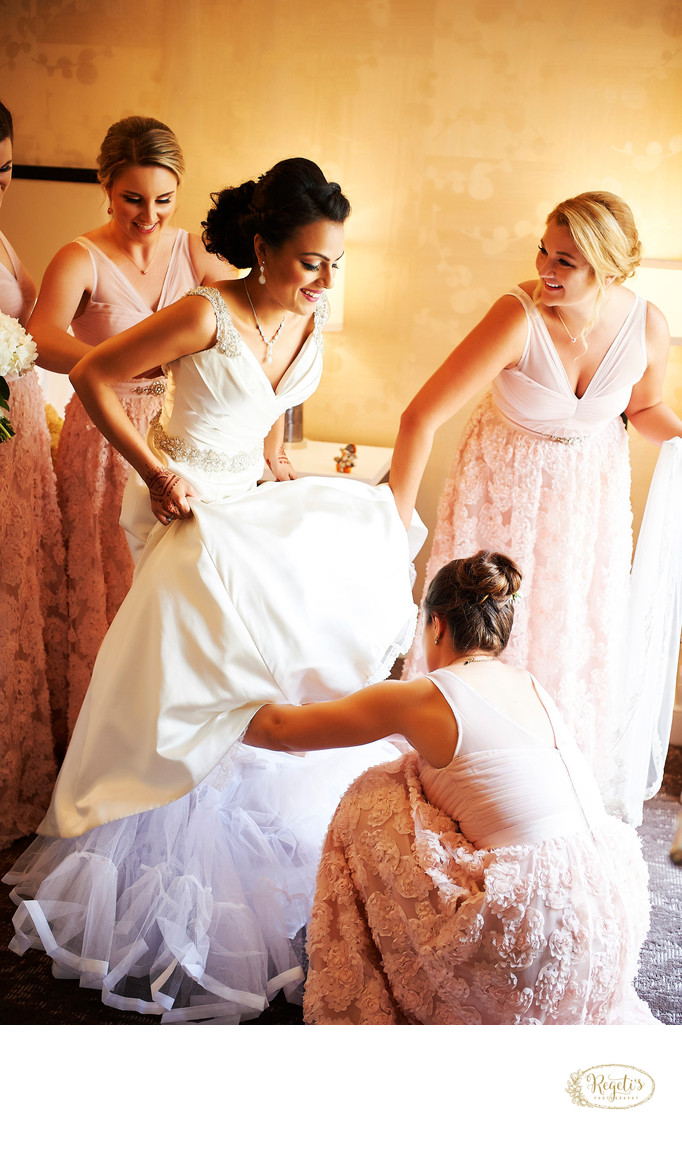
column 210, row 268
column 656, row 324
column 73, row 260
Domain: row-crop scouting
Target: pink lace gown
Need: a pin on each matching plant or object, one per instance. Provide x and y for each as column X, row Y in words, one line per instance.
column 91, row 475
column 32, row 596
column 544, row 477
column 495, row 891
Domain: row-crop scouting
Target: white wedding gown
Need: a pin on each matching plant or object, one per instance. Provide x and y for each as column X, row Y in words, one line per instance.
column 175, row 867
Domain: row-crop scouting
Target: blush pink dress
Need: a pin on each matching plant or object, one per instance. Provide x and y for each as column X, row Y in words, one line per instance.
column 32, row 596
column 494, row 891
column 544, row 477
column 91, row 475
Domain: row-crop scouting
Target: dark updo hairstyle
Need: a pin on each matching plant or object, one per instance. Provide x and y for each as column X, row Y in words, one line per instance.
column 475, row 598
column 292, row 194
column 6, row 125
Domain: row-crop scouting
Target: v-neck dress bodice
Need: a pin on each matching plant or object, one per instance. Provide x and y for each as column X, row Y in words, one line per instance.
column 115, row 305
column 536, row 393
column 220, row 405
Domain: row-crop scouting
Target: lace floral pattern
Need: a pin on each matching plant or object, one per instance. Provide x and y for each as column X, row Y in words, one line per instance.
column 562, row 512
column 32, row 618
column 91, row 477
column 412, row 924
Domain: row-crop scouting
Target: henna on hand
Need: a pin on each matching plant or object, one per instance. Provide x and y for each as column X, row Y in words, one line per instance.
column 162, row 484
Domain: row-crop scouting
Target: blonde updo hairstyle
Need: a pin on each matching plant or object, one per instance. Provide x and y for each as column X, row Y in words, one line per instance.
column 603, row 229
column 475, row 599
column 138, row 141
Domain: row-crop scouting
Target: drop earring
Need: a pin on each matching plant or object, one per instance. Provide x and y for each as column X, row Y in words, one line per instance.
column 110, row 210
column 436, row 640
column 261, row 278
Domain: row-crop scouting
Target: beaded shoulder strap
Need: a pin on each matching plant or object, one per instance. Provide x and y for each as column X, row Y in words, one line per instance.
column 321, row 317
column 228, row 339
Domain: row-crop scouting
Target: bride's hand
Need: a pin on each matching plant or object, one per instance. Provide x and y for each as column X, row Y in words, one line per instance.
column 281, row 466
column 169, row 495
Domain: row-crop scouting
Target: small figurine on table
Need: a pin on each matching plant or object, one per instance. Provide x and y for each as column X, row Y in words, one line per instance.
column 346, row 460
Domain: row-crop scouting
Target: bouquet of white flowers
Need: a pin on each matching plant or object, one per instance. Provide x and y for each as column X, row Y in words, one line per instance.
column 17, row 355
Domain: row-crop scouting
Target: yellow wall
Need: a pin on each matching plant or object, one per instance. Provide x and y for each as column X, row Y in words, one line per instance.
column 453, row 126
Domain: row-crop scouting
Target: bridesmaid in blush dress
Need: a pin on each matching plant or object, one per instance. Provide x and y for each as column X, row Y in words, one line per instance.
column 97, row 286
column 477, row 880
column 32, row 586
column 542, row 472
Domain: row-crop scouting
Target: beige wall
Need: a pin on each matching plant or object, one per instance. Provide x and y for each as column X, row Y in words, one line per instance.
column 453, row 127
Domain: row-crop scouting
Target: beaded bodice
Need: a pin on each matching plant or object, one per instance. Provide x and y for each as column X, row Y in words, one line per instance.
column 220, row 405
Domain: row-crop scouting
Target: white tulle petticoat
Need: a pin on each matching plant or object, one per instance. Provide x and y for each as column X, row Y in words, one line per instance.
column 194, row 911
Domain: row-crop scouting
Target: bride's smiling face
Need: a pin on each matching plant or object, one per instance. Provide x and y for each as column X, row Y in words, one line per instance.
column 304, row 266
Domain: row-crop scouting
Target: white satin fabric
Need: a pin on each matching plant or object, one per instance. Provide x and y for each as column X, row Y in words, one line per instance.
column 550, row 407
column 293, row 592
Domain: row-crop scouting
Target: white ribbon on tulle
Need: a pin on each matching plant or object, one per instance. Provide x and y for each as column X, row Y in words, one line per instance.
column 649, row 672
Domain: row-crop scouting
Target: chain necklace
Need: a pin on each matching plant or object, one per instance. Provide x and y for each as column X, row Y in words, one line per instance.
column 478, row 659
column 142, row 271
column 573, row 338
column 269, row 342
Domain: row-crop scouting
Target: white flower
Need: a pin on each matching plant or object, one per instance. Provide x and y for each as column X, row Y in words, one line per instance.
column 17, row 349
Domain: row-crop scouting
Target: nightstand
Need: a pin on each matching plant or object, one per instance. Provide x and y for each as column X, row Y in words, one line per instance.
column 315, row 457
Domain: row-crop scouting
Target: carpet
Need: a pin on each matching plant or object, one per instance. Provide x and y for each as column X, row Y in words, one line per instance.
column 30, row 996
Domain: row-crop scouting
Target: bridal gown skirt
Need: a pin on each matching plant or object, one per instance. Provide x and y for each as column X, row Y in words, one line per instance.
column 184, row 875
column 91, row 478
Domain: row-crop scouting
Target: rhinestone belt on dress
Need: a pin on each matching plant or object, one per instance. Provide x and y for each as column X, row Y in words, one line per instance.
column 158, row 387
column 205, row 459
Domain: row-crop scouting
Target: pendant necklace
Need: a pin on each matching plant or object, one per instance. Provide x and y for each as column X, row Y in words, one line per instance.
column 573, row 338
column 142, row 271
column 269, row 342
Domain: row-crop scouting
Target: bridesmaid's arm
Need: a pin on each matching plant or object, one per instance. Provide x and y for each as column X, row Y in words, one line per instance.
column 210, row 269
column 647, row 412
column 416, row 710
column 181, row 329
column 497, row 341
column 67, row 283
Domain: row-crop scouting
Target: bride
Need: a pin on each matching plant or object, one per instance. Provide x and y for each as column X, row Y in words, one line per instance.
column 175, row 866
